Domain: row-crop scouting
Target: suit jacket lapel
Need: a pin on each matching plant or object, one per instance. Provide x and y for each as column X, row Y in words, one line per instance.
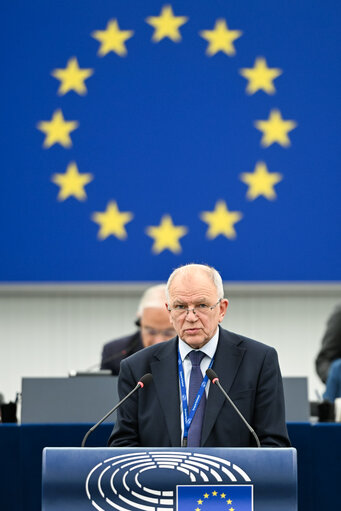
column 166, row 379
column 226, row 364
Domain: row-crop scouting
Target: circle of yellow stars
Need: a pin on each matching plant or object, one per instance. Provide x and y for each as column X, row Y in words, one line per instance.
column 221, row 221
column 206, row 496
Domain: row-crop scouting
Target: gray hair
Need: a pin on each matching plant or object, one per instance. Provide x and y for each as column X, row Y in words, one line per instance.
column 154, row 296
column 188, row 268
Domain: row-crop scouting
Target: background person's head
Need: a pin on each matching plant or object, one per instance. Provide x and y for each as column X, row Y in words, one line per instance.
column 153, row 317
column 198, row 287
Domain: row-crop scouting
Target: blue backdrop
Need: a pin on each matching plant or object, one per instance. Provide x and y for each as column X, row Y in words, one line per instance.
column 137, row 136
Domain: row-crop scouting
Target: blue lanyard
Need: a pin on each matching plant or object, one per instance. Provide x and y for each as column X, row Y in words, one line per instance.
column 188, row 418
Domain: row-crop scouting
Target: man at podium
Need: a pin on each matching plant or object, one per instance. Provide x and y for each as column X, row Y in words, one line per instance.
column 181, row 407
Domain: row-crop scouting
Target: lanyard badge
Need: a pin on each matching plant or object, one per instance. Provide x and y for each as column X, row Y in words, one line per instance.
column 188, row 417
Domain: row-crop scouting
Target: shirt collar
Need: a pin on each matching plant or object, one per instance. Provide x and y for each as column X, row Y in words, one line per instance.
column 209, row 348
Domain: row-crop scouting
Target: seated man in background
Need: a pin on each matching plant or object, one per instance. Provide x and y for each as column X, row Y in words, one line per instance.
column 154, row 326
column 331, row 345
column 333, row 384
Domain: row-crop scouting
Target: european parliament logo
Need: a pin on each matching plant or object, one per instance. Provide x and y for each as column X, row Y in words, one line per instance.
column 169, row 481
column 215, row 498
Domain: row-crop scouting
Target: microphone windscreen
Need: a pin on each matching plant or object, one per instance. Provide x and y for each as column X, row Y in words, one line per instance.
column 146, row 378
column 211, row 374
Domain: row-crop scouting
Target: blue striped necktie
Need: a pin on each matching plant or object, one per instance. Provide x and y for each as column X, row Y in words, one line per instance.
column 194, row 433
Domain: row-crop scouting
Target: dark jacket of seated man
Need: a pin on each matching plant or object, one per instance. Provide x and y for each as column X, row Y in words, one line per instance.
column 248, row 371
column 115, row 351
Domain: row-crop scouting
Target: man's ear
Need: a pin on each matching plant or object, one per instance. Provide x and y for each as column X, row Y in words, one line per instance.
column 170, row 316
column 223, row 308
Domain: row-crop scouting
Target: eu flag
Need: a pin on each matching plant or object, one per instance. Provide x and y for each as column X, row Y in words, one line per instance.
column 215, row 498
column 138, row 136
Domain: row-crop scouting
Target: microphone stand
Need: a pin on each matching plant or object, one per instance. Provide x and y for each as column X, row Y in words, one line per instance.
column 215, row 380
column 140, row 384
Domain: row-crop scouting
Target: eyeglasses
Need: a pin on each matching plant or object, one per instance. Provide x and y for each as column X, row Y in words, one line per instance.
column 199, row 310
column 168, row 333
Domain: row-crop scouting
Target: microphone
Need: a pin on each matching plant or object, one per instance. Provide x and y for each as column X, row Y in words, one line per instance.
column 146, row 378
column 215, row 380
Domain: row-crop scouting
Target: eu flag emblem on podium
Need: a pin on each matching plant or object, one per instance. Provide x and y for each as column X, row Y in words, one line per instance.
column 215, row 498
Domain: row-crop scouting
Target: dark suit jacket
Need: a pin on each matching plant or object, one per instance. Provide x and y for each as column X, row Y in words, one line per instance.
column 331, row 345
column 248, row 371
column 118, row 349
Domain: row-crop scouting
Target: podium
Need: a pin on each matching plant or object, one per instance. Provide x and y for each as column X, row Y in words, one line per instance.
column 182, row 479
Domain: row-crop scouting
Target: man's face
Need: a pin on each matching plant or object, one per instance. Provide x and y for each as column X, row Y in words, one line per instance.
column 155, row 326
column 193, row 290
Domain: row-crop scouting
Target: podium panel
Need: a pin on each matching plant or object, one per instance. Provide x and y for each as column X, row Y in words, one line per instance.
column 173, row 479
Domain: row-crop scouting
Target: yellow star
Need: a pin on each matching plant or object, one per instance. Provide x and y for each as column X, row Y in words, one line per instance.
column 231, row 508
column 112, row 221
column 223, row 495
column 72, row 182
column 72, row 77
column 197, row 509
column 275, row 129
column 229, row 501
column 166, row 25
column 57, row 130
column 166, row 235
column 112, row 39
column 214, row 493
column 200, row 501
column 220, row 38
column 206, row 495
column 260, row 76
column 221, row 221
column 261, row 182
